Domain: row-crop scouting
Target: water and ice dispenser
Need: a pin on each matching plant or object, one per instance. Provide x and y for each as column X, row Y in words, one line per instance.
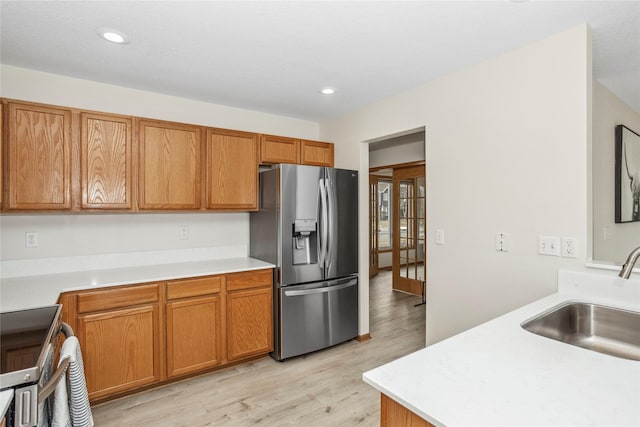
column 305, row 241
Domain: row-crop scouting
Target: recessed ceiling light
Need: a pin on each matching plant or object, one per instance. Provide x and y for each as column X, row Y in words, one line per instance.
column 328, row 91
column 113, row 36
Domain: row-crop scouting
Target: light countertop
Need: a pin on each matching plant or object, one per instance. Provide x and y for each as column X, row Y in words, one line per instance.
column 498, row 374
column 6, row 396
column 36, row 291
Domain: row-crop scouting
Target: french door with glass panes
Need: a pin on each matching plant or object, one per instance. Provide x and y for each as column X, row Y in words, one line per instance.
column 380, row 222
column 409, row 226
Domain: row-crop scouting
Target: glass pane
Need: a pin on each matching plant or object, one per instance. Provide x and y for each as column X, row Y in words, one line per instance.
column 412, row 227
column 384, row 213
column 373, row 221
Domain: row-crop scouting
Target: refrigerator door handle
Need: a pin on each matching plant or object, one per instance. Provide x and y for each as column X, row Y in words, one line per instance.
column 330, row 233
column 323, row 223
column 325, row 289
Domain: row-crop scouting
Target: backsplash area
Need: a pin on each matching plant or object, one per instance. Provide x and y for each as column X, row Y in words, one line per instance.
column 88, row 242
column 90, row 234
column 54, row 265
column 601, row 284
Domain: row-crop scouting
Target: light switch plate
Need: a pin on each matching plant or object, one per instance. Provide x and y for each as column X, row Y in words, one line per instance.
column 439, row 236
column 549, row 245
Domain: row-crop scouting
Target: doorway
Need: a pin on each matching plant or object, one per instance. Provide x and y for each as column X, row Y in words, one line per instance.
column 397, row 221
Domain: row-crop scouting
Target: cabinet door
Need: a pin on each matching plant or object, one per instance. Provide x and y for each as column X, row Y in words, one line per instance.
column 249, row 323
column 279, row 149
column 232, row 170
column 394, row 414
column 121, row 349
column 316, row 153
column 106, row 161
column 169, row 165
column 193, row 335
column 39, row 157
column 1, row 153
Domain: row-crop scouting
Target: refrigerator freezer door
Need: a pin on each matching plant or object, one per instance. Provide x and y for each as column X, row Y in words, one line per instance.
column 342, row 242
column 300, row 203
column 316, row 316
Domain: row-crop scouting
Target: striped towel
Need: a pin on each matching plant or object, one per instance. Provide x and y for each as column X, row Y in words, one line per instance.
column 71, row 403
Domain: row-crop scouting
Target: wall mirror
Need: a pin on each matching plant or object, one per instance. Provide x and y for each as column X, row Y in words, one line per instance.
column 611, row 241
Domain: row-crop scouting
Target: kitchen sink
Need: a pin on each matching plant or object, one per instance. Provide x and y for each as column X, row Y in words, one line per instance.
column 607, row 330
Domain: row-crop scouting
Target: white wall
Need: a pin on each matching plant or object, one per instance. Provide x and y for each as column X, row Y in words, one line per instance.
column 611, row 242
column 506, row 151
column 66, row 235
column 36, row 86
column 395, row 151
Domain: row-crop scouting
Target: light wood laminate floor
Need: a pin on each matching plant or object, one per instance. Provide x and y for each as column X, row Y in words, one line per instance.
column 324, row 388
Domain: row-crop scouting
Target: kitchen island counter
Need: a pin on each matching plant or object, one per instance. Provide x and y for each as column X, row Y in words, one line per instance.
column 36, row 291
column 500, row 374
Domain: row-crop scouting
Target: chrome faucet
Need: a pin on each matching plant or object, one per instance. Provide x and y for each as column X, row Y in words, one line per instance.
column 627, row 267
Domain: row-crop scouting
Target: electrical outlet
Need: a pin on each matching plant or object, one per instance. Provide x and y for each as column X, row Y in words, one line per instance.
column 183, row 232
column 439, row 237
column 569, row 247
column 30, row 239
column 502, row 242
column 549, row 245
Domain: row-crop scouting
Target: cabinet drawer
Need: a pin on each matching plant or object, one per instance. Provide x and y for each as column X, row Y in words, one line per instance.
column 249, row 279
column 193, row 287
column 115, row 298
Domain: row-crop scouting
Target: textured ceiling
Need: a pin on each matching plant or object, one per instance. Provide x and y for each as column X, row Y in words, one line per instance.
column 275, row 56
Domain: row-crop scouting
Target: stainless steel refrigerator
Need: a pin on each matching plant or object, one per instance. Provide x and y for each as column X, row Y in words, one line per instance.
column 307, row 225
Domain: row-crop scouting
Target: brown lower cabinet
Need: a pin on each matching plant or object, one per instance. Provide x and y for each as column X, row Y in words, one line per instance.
column 137, row 336
column 249, row 315
column 393, row 414
column 194, row 325
column 120, row 348
column 120, row 335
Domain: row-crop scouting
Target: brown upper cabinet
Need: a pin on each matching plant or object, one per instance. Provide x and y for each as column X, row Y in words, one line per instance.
column 58, row 158
column 169, row 170
column 279, row 149
column 316, row 153
column 105, row 159
column 232, row 170
column 39, row 157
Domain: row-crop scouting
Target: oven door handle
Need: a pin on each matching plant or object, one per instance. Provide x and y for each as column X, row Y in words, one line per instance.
column 48, row 388
column 46, row 391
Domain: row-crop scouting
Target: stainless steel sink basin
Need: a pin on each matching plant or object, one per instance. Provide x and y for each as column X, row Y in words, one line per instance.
column 595, row 327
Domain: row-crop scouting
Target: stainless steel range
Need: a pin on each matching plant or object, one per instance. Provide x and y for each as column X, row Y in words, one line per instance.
column 27, row 346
